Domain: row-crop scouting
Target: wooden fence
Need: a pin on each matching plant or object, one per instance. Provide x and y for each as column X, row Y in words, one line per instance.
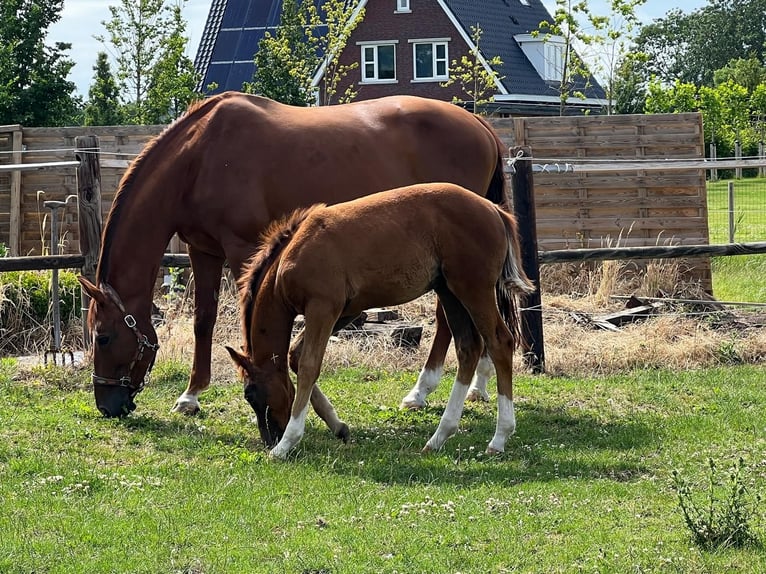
column 24, row 225
column 574, row 210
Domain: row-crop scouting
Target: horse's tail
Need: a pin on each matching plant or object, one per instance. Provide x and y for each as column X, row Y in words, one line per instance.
column 512, row 281
column 274, row 239
column 497, row 190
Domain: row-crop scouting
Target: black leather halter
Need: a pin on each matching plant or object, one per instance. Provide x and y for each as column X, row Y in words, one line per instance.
column 143, row 344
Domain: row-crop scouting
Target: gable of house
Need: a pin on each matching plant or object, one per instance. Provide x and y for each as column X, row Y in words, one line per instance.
column 405, row 39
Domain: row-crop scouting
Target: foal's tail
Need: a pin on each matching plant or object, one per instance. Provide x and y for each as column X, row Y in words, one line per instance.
column 513, row 281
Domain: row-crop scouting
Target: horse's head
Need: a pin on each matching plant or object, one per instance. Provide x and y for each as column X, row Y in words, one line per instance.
column 270, row 393
column 123, row 350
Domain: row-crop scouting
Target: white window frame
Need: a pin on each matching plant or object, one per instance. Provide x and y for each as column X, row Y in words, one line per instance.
column 554, row 61
column 377, row 45
column 433, row 42
column 403, row 7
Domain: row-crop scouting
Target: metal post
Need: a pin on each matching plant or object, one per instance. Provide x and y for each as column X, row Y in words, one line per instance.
column 731, row 212
column 55, row 349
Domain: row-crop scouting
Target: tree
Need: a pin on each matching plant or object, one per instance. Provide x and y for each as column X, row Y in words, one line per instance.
column 173, row 79
column 305, row 51
column 691, row 47
column 103, row 108
column 575, row 76
column 747, row 72
column 34, row 89
column 285, row 63
column 628, row 88
column 137, row 32
column 615, row 39
column 477, row 81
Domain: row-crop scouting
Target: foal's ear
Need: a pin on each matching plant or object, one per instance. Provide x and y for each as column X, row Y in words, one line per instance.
column 94, row 292
column 242, row 361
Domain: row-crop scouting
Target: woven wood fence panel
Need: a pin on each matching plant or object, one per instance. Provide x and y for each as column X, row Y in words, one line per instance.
column 625, row 208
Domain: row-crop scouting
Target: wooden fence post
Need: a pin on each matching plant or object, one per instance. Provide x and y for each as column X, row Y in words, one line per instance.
column 522, row 184
column 14, row 235
column 90, row 219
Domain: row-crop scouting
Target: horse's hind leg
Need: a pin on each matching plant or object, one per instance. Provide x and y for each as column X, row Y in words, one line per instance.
column 500, row 344
column 484, row 370
column 468, row 347
column 431, row 373
column 207, row 282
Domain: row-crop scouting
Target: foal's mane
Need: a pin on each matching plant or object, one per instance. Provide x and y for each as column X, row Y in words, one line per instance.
column 274, row 239
column 122, row 196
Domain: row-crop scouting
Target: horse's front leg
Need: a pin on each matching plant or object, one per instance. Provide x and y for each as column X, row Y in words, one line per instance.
column 319, row 327
column 207, row 282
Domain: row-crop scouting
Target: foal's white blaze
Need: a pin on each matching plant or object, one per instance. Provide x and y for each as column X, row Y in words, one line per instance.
column 187, row 403
column 506, row 424
column 426, row 383
column 478, row 389
column 293, row 434
column 450, row 418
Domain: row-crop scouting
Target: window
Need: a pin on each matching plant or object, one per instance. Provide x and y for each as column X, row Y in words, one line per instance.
column 546, row 54
column 379, row 62
column 403, row 6
column 554, row 61
column 430, row 57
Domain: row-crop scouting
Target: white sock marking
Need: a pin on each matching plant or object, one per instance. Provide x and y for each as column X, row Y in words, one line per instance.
column 427, row 381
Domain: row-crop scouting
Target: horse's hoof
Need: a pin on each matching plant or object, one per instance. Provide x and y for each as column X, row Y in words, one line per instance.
column 343, row 433
column 186, row 408
column 493, row 451
column 426, row 450
column 477, row 396
column 412, row 403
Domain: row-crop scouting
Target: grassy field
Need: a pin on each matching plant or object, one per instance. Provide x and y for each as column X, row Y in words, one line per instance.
column 749, row 210
column 585, row 485
column 738, row 278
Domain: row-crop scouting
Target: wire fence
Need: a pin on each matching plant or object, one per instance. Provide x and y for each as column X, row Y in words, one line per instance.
column 737, row 210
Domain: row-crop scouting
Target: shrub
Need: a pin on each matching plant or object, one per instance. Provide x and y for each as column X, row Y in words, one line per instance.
column 26, row 304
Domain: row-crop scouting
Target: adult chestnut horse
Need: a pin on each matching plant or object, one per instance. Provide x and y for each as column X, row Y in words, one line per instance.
column 331, row 263
column 227, row 168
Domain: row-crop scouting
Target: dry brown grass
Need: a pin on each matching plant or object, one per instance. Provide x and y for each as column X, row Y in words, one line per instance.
column 676, row 338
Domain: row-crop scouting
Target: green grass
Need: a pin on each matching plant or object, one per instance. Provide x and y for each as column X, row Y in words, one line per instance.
column 749, row 210
column 740, row 277
column 584, row 486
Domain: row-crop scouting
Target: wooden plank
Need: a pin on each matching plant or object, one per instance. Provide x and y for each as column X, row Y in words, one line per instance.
column 14, row 234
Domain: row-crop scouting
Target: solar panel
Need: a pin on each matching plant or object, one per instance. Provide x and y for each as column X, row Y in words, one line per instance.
column 225, row 46
column 235, row 13
column 248, row 44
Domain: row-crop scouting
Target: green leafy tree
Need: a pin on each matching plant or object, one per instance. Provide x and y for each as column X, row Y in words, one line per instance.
column 137, row 33
column 691, row 47
column 103, row 108
column 34, row 90
column 285, row 62
column 476, row 81
column 575, row 76
column 613, row 41
column 299, row 53
column 173, row 79
column 629, row 89
column 747, row 72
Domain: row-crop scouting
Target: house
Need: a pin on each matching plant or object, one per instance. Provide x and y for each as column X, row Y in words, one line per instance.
column 407, row 47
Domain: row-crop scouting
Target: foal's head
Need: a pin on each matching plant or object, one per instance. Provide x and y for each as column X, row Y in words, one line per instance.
column 270, row 392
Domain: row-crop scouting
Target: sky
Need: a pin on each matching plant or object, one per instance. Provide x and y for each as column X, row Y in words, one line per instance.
column 82, row 19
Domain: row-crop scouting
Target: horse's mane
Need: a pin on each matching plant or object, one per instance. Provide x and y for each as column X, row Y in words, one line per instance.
column 274, row 239
column 122, row 195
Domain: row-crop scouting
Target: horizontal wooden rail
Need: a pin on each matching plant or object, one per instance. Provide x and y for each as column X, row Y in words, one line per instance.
column 552, row 256
column 34, row 166
column 37, row 262
column 650, row 252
